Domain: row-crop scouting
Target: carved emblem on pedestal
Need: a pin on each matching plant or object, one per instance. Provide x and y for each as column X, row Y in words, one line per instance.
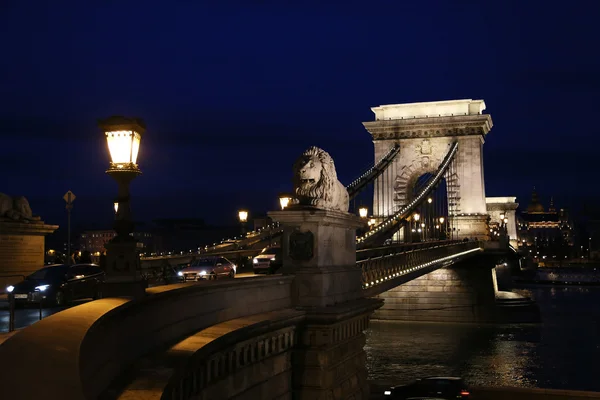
column 301, row 245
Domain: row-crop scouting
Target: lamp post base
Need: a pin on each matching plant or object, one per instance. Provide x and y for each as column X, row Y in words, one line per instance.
column 135, row 289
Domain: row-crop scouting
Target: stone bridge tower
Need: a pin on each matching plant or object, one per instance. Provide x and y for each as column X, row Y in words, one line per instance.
column 425, row 132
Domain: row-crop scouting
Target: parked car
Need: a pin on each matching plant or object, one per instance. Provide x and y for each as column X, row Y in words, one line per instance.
column 430, row 388
column 208, row 268
column 268, row 261
column 59, row 284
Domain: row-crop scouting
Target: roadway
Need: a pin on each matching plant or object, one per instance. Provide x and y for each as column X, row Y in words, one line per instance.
column 25, row 316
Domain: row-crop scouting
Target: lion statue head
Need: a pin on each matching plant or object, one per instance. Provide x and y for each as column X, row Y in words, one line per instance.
column 316, row 183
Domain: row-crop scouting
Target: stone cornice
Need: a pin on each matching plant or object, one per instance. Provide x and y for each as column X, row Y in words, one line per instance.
column 24, row 228
column 501, row 206
column 458, row 125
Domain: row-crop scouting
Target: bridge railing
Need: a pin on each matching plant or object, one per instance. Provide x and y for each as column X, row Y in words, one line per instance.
column 79, row 352
column 380, row 269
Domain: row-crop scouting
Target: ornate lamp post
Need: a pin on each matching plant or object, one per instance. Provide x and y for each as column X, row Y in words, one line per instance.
column 123, row 136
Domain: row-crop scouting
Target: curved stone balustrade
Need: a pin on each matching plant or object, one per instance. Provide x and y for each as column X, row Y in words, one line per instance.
column 396, row 268
column 77, row 353
column 247, row 357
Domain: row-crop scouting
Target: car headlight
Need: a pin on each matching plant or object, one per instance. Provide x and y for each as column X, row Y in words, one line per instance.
column 387, row 393
column 179, row 273
column 254, row 261
column 41, row 288
column 202, row 273
column 10, row 288
column 272, row 258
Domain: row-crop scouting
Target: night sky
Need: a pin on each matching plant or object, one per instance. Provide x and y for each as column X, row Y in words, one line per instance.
column 233, row 91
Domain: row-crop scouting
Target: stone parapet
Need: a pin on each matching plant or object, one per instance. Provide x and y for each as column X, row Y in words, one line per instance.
column 99, row 340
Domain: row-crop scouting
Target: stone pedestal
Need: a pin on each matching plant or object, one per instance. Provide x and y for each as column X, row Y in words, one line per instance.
column 330, row 361
column 123, row 278
column 319, row 248
column 21, row 249
column 470, row 227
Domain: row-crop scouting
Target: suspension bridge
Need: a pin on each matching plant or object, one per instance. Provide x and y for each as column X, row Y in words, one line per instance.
column 259, row 337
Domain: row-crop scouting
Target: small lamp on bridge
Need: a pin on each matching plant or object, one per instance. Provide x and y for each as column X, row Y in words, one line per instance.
column 243, row 217
column 116, row 205
column 363, row 212
column 416, row 216
column 284, row 200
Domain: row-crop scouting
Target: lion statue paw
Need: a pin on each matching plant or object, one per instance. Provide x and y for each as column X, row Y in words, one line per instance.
column 316, row 183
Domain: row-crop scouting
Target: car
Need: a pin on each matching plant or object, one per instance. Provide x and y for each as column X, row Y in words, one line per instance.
column 208, row 268
column 59, row 284
column 268, row 261
column 435, row 387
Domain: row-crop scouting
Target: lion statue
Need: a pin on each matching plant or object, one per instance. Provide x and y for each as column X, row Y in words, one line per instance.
column 15, row 208
column 316, row 183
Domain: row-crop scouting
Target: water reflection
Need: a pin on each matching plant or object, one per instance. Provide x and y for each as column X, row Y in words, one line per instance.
column 559, row 353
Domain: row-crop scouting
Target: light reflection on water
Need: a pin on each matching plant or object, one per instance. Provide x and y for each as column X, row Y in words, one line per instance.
column 560, row 353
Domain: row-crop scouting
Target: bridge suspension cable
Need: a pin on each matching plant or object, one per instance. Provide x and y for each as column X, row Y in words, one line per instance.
column 391, row 225
column 372, row 173
column 358, row 185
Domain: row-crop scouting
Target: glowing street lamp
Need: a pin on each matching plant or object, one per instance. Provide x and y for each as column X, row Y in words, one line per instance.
column 243, row 217
column 123, row 137
column 363, row 212
column 416, row 216
column 441, row 220
column 429, row 200
column 284, row 200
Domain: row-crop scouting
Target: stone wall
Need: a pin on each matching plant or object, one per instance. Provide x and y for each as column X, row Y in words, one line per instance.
column 21, row 249
column 454, row 294
column 79, row 352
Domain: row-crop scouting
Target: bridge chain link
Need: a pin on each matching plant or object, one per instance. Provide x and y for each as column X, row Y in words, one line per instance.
column 379, row 269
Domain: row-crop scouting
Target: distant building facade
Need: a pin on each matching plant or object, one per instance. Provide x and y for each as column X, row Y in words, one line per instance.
column 545, row 234
column 95, row 241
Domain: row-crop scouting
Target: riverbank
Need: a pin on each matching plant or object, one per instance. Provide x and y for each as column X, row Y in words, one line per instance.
column 503, row 393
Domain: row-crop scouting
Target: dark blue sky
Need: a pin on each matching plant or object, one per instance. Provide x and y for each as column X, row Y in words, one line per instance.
column 233, row 91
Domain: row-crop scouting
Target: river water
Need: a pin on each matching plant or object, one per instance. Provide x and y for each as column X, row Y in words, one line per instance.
column 563, row 352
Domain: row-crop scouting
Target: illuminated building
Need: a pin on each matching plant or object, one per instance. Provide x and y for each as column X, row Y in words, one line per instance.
column 545, row 234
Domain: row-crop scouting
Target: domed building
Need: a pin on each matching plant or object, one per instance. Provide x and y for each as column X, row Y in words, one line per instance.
column 545, row 233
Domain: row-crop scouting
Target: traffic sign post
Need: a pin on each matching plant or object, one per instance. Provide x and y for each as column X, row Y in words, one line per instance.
column 69, row 198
